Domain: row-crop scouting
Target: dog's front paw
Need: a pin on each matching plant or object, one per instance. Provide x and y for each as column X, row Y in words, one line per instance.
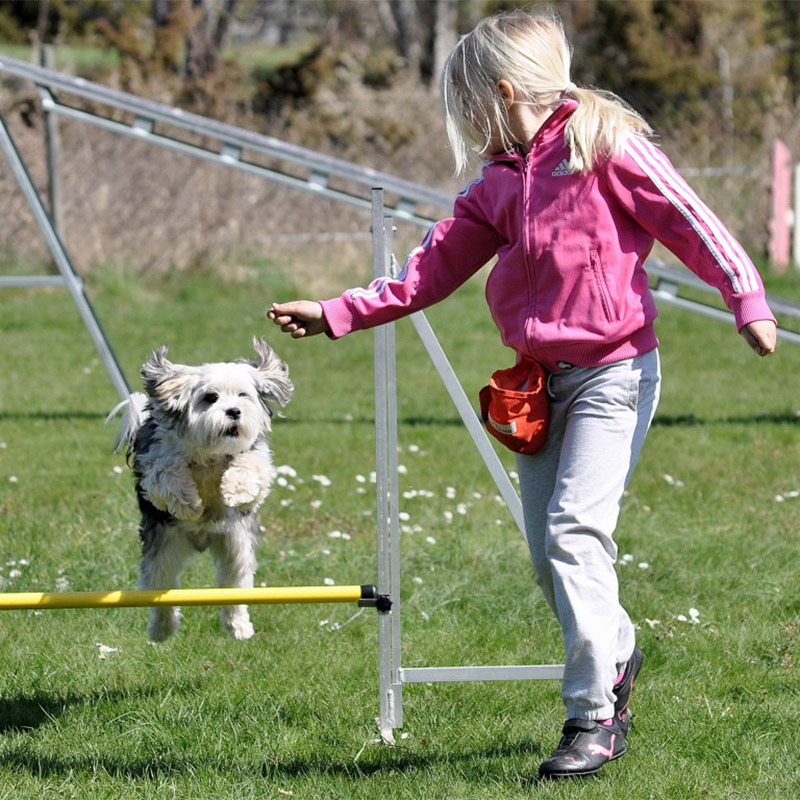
column 239, row 487
column 185, row 505
column 189, row 510
column 236, row 622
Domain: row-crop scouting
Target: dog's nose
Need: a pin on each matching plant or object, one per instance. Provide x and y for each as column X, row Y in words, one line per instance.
column 233, row 413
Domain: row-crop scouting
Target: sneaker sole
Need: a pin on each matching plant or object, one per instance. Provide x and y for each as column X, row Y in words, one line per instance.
column 558, row 775
column 586, row 773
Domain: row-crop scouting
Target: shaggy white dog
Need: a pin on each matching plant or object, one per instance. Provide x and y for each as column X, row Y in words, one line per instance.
column 199, row 451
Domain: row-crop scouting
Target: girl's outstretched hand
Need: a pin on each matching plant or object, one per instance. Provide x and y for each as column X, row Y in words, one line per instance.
column 761, row 336
column 299, row 318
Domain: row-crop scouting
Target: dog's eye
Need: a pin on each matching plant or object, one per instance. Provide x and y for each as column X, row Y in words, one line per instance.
column 209, row 398
column 243, row 394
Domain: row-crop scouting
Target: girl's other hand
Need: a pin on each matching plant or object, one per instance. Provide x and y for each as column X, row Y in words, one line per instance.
column 299, row 318
column 761, row 335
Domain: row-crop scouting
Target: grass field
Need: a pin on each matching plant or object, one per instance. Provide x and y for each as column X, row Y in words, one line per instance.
column 90, row 709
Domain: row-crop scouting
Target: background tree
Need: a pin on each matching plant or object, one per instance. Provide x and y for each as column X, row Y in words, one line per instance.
column 207, row 35
column 783, row 28
column 423, row 31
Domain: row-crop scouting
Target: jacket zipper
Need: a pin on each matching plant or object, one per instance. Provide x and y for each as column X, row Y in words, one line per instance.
column 527, row 221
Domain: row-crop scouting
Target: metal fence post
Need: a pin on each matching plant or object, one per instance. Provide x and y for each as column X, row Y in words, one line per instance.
column 391, row 690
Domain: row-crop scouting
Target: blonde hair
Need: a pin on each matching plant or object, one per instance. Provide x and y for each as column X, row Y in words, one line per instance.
column 532, row 53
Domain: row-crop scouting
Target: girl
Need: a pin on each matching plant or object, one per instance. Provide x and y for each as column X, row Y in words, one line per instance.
column 570, row 201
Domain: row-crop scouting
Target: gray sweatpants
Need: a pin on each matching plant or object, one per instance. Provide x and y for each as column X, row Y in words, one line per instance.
column 571, row 495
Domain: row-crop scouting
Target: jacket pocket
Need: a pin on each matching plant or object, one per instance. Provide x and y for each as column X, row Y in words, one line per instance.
column 601, row 286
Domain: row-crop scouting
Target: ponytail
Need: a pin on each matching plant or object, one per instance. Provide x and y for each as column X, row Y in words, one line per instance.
column 599, row 127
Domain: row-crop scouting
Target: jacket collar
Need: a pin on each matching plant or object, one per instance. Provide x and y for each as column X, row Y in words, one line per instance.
column 552, row 128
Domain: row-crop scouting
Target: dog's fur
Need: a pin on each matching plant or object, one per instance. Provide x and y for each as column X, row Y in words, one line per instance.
column 199, row 450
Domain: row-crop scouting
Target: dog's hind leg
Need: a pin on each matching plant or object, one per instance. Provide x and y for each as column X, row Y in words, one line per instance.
column 165, row 552
column 234, row 553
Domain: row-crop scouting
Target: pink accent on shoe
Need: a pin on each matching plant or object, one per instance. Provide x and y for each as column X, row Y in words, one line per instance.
column 598, row 750
column 607, row 722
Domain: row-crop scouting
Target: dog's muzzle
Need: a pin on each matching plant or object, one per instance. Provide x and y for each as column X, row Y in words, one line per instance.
column 234, row 414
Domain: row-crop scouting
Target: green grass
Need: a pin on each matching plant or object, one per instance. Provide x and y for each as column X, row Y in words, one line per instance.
column 291, row 713
column 263, row 61
column 77, row 57
column 252, row 58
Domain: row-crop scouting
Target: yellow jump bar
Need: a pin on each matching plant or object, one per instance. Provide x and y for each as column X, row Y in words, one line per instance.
column 366, row 595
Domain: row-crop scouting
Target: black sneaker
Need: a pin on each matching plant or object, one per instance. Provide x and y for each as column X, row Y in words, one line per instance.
column 585, row 747
column 623, row 690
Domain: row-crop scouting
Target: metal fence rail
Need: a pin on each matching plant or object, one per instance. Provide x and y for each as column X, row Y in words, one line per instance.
column 670, row 279
column 161, row 124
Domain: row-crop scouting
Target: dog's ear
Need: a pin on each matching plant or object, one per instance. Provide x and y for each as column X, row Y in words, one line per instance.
column 271, row 376
column 166, row 383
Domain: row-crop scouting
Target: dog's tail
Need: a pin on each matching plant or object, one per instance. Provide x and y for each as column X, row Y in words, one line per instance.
column 132, row 419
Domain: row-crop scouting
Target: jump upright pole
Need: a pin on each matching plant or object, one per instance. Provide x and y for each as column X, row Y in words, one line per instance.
column 366, row 595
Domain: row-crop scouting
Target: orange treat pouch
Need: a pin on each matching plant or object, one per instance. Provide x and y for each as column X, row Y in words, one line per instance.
column 515, row 407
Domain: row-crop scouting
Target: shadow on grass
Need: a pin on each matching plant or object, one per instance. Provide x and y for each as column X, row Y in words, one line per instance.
column 50, row 416
column 474, row 765
column 690, row 420
column 663, row 420
column 25, row 714
column 22, row 714
column 28, row 712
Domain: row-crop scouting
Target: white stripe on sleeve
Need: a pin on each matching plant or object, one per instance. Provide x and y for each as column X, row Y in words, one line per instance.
column 728, row 253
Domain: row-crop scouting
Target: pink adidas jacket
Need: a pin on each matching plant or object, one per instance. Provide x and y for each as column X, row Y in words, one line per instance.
column 569, row 286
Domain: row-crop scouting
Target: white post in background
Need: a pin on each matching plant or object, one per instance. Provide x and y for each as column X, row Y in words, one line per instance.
column 796, row 218
column 781, row 211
